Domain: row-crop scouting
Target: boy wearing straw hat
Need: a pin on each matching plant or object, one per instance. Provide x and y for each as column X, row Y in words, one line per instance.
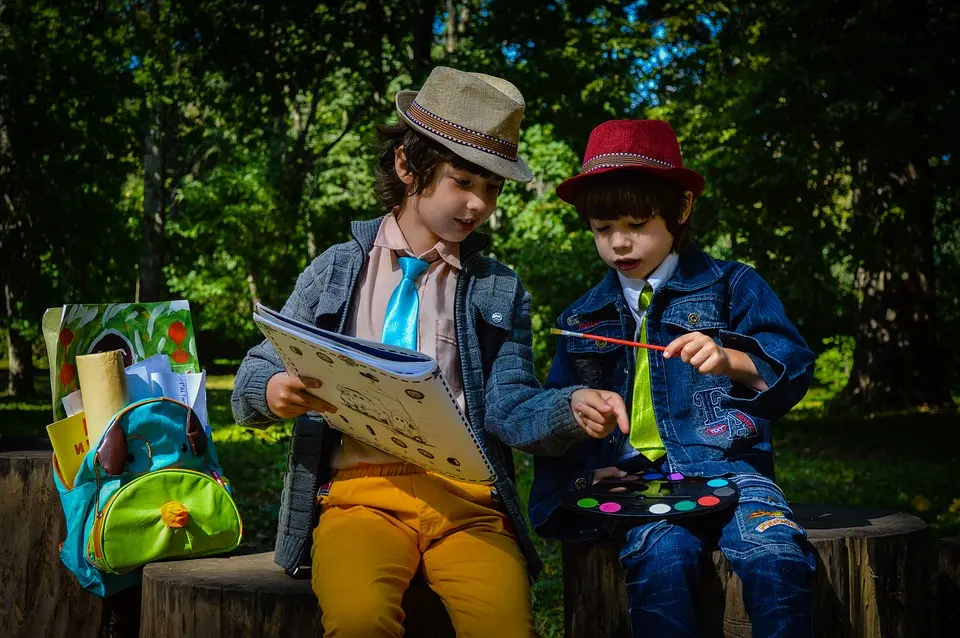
column 417, row 277
column 730, row 362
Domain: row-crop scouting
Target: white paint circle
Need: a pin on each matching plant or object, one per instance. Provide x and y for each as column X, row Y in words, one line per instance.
column 660, row 508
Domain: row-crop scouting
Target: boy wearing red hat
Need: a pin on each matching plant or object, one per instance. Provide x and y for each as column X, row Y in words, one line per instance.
column 733, row 363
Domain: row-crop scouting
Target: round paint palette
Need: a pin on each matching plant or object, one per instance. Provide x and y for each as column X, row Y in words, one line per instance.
column 653, row 495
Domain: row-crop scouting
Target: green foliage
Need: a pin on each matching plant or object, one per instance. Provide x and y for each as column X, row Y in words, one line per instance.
column 834, row 363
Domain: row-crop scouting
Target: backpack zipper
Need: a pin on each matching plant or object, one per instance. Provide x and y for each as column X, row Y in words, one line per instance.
column 96, row 533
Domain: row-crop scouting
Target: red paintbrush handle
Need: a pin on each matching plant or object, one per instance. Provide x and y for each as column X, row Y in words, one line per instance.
column 624, row 342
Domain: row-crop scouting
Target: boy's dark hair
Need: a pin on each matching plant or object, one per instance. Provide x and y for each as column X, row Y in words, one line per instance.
column 617, row 194
column 423, row 155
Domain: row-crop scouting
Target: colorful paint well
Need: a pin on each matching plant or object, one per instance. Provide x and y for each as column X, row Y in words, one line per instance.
column 708, row 501
column 717, row 482
column 652, row 476
column 611, row 507
column 684, row 506
column 588, row 503
column 675, row 476
column 723, row 491
column 659, row 508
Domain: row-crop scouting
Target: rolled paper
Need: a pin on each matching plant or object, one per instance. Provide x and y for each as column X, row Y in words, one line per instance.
column 103, row 384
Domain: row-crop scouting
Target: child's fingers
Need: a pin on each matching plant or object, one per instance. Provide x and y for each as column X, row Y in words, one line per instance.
column 619, row 409
column 701, row 357
column 677, row 344
column 590, row 419
column 607, row 472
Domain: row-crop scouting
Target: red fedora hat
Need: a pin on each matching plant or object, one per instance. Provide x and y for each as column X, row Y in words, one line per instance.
column 649, row 146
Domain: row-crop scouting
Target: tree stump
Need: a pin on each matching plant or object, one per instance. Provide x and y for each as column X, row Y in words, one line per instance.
column 251, row 596
column 948, row 587
column 872, row 580
column 38, row 596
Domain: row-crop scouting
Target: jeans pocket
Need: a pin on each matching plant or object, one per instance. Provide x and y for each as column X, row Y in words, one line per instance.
column 763, row 518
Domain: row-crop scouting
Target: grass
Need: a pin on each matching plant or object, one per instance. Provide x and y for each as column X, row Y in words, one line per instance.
column 903, row 461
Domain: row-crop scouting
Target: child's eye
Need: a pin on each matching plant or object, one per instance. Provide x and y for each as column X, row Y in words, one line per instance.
column 600, row 229
column 461, row 182
column 638, row 224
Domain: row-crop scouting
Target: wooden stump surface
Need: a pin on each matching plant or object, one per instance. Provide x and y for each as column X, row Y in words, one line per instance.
column 251, row 596
column 38, row 596
column 872, row 580
column 948, row 587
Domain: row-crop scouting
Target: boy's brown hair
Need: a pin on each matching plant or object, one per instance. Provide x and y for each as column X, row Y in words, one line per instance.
column 423, row 157
column 610, row 196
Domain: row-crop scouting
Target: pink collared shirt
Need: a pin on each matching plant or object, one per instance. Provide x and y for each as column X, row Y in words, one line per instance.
column 436, row 335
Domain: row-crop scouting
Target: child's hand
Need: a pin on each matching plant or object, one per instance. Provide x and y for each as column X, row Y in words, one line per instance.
column 287, row 396
column 598, row 412
column 607, row 472
column 701, row 352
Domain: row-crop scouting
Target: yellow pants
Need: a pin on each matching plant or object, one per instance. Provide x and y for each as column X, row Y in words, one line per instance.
column 381, row 524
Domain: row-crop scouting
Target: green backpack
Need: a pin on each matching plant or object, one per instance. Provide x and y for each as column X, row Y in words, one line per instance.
column 150, row 489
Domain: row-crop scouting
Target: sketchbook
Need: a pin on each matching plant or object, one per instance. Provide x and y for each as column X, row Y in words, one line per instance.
column 393, row 399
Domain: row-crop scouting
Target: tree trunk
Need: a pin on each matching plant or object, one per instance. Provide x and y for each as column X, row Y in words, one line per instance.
column 19, row 352
column 424, row 13
column 252, row 596
column 896, row 363
column 38, row 596
column 152, row 284
column 872, row 580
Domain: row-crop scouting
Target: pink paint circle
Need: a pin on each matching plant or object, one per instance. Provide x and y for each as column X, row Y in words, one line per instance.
column 610, row 508
column 708, row 501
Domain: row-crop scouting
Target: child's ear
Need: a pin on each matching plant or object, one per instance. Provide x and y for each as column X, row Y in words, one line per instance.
column 402, row 167
column 687, row 207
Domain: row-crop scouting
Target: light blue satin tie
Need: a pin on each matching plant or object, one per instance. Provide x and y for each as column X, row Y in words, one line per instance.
column 403, row 311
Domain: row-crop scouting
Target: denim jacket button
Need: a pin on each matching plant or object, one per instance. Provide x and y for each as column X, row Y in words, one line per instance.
column 572, row 320
column 580, row 483
column 693, row 318
column 497, row 317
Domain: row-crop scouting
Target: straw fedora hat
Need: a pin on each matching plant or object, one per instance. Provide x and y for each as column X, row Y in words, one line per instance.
column 474, row 115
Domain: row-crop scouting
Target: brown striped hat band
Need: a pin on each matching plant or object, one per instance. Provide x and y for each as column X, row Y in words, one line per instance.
column 461, row 134
column 609, row 160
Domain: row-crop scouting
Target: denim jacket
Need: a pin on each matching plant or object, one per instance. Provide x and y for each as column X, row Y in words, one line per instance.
column 710, row 425
column 505, row 404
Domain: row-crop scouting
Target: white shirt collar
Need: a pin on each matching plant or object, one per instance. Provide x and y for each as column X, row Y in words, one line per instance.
column 633, row 287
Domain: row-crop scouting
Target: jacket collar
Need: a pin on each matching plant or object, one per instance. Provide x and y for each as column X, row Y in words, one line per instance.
column 365, row 233
column 695, row 270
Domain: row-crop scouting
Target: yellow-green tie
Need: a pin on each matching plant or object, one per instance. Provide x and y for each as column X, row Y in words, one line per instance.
column 644, row 435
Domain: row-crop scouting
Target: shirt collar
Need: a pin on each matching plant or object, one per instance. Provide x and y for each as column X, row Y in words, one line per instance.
column 633, row 287
column 391, row 237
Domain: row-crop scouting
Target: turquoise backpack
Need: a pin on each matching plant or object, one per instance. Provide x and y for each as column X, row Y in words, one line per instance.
column 151, row 488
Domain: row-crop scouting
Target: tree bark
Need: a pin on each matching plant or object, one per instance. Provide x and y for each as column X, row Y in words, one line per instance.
column 895, row 359
column 38, row 596
column 19, row 352
column 948, row 587
column 872, row 580
column 252, row 596
column 153, row 222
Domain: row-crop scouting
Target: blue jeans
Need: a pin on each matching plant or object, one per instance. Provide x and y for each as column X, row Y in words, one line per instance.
column 767, row 550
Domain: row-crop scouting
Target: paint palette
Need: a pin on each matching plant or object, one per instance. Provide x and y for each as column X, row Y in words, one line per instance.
column 653, row 496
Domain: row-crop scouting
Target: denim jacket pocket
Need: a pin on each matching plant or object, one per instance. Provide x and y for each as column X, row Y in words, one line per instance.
column 608, row 328
column 693, row 314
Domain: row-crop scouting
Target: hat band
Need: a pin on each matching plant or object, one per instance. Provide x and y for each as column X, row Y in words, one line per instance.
column 610, row 160
column 461, row 134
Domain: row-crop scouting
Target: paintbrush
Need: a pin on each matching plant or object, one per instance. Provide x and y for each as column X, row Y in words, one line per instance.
column 583, row 335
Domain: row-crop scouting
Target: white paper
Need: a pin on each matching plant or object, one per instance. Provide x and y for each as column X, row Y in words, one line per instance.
column 73, row 403
column 139, row 384
column 186, row 388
